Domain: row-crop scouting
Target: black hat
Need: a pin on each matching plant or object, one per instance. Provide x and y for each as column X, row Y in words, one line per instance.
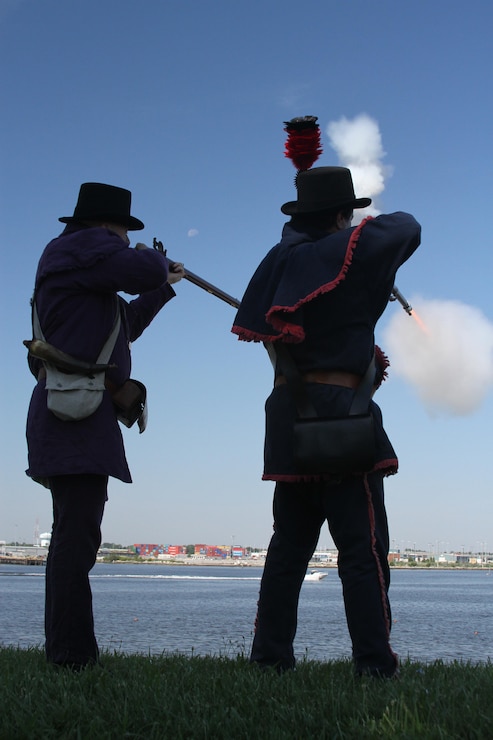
column 322, row 189
column 98, row 201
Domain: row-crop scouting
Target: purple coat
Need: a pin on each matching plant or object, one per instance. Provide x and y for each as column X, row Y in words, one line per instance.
column 78, row 277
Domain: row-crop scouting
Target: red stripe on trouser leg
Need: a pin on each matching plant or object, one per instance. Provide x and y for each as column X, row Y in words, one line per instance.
column 381, row 579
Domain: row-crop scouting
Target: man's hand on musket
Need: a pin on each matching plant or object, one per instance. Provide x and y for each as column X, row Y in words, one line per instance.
column 176, row 271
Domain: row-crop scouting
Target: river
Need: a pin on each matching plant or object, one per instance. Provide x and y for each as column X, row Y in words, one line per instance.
column 198, row 610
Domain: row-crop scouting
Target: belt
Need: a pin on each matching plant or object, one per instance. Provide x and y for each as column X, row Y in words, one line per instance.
column 328, row 377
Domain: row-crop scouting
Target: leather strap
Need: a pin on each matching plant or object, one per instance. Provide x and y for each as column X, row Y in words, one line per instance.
column 296, row 383
column 108, row 346
column 326, row 377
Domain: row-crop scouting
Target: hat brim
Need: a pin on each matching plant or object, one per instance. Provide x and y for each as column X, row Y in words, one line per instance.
column 131, row 223
column 292, row 207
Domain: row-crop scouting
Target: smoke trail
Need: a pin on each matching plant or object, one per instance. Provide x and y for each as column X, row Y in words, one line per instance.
column 450, row 365
column 358, row 145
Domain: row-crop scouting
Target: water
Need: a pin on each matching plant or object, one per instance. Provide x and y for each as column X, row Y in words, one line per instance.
column 210, row 610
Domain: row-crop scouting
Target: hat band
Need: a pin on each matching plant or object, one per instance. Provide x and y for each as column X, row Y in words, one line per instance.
column 322, row 205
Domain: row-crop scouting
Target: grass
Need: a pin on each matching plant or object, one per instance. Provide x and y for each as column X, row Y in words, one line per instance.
column 172, row 696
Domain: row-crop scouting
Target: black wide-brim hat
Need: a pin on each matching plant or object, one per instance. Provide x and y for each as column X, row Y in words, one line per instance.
column 323, row 189
column 98, row 201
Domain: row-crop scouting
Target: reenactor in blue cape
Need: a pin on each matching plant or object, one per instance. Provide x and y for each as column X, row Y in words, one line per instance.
column 320, row 292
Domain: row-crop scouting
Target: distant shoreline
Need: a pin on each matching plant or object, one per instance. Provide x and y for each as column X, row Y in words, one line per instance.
column 244, row 563
column 313, row 564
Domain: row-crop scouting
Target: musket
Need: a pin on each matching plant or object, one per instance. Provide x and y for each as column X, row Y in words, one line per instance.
column 49, row 353
column 210, row 288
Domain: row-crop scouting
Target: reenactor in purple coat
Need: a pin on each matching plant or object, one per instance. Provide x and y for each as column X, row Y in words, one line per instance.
column 79, row 276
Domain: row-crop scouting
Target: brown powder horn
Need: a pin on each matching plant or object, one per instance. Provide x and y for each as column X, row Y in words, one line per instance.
column 48, row 353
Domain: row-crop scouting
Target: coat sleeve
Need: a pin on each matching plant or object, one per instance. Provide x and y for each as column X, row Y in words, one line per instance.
column 388, row 241
column 129, row 270
column 142, row 310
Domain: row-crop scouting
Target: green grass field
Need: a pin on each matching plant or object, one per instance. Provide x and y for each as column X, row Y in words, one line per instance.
column 172, row 696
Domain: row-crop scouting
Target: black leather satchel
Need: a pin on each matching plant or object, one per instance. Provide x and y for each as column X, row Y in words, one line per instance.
column 130, row 401
column 333, row 445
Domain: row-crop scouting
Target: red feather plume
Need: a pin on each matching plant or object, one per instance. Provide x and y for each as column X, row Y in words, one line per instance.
column 303, row 146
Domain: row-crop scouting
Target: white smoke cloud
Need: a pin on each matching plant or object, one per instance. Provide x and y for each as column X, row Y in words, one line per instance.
column 192, row 232
column 358, row 145
column 449, row 363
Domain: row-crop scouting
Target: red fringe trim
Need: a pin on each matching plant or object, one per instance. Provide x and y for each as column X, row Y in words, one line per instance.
column 382, row 362
column 389, row 467
column 246, row 335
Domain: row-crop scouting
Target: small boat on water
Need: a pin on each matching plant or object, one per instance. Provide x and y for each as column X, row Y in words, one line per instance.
column 315, row 575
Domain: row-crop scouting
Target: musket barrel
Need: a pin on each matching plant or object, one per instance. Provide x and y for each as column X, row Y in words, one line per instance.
column 210, row 288
column 399, row 297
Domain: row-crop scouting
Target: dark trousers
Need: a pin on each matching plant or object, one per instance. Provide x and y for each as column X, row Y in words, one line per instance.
column 78, row 506
column 357, row 521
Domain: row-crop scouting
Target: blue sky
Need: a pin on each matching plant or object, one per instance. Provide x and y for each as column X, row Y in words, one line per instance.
column 183, row 102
